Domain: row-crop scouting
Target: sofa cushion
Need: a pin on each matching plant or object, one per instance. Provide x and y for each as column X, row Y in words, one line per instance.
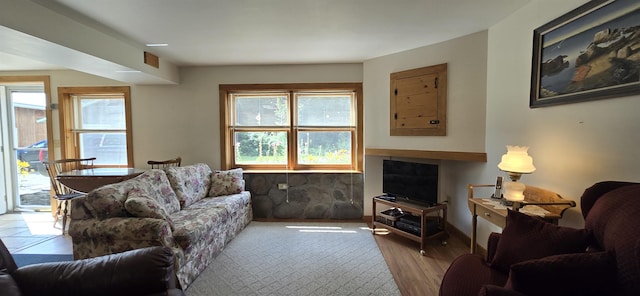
column 108, row 201
column 525, row 237
column 8, row 286
column 567, row 274
column 226, row 182
column 155, row 185
column 196, row 224
column 190, row 183
column 234, row 203
column 142, row 206
column 237, row 206
column 475, row 273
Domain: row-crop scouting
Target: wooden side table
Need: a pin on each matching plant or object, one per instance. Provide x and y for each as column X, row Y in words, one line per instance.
column 490, row 209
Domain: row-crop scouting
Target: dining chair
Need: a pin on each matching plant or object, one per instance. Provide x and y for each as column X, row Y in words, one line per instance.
column 161, row 164
column 62, row 194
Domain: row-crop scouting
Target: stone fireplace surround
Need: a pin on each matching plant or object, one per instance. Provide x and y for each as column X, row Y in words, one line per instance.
column 309, row 196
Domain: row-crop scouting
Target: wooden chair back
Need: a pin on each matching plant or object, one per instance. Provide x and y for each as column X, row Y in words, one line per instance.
column 56, row 167
column 64, row 194
column 161, row 164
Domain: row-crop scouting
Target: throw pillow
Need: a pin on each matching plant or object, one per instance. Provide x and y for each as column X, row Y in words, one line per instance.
column 145, row 207
column 226, row 182
column 525, row 237
column 567, row 274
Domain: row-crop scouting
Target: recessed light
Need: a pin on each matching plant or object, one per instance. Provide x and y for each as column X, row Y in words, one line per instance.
column 157, row 44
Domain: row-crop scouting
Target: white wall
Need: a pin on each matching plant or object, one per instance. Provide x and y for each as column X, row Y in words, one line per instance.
column 467, row 65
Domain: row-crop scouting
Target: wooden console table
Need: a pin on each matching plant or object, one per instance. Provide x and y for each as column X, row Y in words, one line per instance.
column 419, row 210
column 491, row 210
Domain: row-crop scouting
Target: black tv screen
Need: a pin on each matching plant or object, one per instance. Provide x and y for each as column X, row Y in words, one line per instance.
column 410, row 181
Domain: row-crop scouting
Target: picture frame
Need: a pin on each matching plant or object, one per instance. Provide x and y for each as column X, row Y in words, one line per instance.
column 589, row 53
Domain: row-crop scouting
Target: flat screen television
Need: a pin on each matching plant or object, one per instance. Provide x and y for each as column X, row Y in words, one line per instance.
column 410, row 181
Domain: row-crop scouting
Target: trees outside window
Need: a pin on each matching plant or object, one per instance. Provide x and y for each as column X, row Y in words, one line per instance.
column 292, row 127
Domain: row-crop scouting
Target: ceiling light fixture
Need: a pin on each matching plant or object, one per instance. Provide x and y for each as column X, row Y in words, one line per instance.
column 157, row 44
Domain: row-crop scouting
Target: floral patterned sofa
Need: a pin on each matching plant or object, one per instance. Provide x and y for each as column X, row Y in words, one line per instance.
column 191, row 209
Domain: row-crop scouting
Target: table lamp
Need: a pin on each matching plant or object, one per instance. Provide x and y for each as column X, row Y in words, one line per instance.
column 515, row 162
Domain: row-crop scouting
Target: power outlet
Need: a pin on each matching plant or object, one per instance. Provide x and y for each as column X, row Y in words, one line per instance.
column 283, row 186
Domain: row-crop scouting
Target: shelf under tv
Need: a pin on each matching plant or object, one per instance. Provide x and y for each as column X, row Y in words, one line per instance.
column 439, row 231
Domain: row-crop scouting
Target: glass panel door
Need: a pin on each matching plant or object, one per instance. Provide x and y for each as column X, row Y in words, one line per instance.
column 29, row 143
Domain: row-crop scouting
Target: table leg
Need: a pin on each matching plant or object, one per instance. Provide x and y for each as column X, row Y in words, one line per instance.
column 423, row 233
column 373, row 217
column 474, row 225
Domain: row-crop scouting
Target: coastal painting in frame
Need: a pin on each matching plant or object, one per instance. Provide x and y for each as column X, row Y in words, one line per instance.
column 590, row 53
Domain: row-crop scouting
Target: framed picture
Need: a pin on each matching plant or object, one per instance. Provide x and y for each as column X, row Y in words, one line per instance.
column 590, row 53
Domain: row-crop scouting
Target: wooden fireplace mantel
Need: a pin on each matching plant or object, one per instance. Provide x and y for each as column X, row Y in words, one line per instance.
column 428, row 154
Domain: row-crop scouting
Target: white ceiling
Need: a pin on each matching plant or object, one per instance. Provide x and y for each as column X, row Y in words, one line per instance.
column 259, row 32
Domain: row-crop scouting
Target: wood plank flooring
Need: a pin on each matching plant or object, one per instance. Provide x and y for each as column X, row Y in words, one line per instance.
column 418, row 275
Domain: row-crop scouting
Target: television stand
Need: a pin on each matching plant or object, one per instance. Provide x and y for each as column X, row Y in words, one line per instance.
column 429, row 227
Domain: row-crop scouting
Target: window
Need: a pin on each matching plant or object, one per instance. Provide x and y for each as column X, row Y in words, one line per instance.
column 96, row 123
column 292, row 127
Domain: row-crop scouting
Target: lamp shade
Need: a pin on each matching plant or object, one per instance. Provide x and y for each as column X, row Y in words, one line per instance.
column 517, row 160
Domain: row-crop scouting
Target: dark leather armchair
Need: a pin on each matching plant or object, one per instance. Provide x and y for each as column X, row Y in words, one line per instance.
column 608, row 265
column 147, row 271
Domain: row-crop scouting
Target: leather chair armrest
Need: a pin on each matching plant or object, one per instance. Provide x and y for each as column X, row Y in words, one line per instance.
column 492, row 245
column 493, row 290
column 146, row 271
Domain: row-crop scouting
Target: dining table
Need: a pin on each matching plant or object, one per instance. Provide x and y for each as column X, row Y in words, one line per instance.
column 88, row 179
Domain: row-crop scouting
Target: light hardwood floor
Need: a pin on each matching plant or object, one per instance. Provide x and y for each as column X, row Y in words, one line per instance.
column 418, row 275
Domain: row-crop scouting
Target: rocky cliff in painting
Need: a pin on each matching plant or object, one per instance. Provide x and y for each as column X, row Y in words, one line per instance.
column 612, row 58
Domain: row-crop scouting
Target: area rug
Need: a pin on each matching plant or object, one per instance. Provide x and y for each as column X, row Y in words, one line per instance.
column 276, row 258
column 27, row 259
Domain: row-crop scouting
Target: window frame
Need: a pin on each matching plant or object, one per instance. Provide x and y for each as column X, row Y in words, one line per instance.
column 69, row 135
column 226, row 92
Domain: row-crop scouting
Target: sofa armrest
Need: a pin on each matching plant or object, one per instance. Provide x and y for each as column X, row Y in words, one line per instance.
column 492, row 245
column 493, row 290
column 144, row 271
column 95, row 237
column 121, row 228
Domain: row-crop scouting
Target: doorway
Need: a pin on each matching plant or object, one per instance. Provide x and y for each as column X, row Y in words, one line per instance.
column 24, row 132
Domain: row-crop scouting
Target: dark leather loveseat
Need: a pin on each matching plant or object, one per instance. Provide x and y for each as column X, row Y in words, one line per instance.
column 539, row 258
column 147, row 271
